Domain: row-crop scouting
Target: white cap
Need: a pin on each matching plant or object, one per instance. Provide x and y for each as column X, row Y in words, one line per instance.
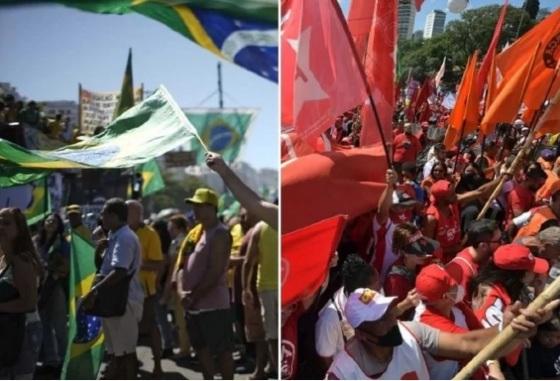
column 519, row 122
column 365, row 304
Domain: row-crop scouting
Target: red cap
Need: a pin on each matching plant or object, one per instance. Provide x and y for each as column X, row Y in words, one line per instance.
column 518, row 257
column 433, row 282
column 441, row 189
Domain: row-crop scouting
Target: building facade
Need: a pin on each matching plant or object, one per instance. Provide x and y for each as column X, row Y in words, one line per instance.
column 406, row 18
column 435, row 23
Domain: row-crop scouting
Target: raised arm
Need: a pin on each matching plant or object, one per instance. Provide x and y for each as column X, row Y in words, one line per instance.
column 386, row 199
column 254, row 204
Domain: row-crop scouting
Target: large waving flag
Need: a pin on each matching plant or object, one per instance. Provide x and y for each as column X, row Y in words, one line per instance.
column 320, row 77
column 222, row 130
column 510, row 93
column 85, row 336
column 243, row 31
column 126, row 100
column 380, row 72
column 33, row 198
column 147, row 130
column 511, row 60
column 346, row 182
column 359, row 24
column 302, row 274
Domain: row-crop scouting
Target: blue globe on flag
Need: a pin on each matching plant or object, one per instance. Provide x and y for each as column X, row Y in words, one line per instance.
column 88, row 327
column 221, row 137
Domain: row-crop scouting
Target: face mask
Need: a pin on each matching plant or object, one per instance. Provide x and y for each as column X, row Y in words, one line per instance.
column 393, row 338
column 460, row 294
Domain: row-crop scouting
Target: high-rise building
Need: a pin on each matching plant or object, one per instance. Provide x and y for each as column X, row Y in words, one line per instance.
column 407, row 15
column 435, row 23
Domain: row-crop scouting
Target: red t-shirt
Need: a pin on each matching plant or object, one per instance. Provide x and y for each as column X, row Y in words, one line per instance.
column 406, row 148
column 463, row 269
column 448, row 228
column 519, row 198
column 289, row 344
column 399, row 281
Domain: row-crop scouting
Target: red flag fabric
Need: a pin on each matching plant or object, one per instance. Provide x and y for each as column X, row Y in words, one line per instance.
column 359, row 24
column 422, row 97
column 380, row 72
column 306, row 255
column 550, row 121
column 418, row 4
column 487, row 61
column 320, row 77
column 319, row 186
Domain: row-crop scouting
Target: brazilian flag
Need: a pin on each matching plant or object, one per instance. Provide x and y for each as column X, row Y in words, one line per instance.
column 222, row 130
column 85, row 336
column 151, row 174
column 40, row 205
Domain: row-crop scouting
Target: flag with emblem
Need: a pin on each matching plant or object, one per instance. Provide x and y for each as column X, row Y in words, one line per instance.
column 32, row 197
column 244, row 32
column 222, row 130
column 85, row 336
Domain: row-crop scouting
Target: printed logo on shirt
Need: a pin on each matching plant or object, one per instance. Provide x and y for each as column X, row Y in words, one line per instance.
column 367, row 296
column 288, row 358
column 494, row 314
column 557, row 366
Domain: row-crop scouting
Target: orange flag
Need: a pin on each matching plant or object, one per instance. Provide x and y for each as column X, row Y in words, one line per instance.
column 510, row 94
column 510, row 61
column 465, row 114
column 491, row 89
column 550, row 121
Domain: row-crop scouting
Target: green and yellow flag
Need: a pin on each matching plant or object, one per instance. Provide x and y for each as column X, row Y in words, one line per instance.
column 126, row 99
column 85, row 336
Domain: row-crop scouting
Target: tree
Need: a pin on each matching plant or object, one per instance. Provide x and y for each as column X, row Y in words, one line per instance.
column 532, row 8
column 459, row 40
column 175, row 192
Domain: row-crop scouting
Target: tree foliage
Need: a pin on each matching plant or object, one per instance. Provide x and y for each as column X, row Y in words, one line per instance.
column 175, row 192
column 459, row 40
column 532, row 8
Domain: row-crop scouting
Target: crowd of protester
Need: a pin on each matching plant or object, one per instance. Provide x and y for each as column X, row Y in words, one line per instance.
column 17, row 115
column 421, row 284
column 198, row 289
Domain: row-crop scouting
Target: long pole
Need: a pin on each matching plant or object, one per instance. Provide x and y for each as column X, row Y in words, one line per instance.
column 364, row 78
column 80, row 107
column 220, row 90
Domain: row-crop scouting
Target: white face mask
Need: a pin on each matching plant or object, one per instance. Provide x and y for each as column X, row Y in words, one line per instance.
column 459, row 295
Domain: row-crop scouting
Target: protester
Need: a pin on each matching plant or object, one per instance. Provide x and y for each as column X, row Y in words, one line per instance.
column 152, row 264
column 540, row 218
column 522, row 197
column 122, row 261
column 74, row 214
column 54, row 251
column 406, row 147
column 20, row 270
column 204, row 289
column 383, row 347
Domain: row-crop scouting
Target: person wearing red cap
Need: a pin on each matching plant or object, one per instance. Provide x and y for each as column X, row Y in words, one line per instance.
column 542, row 217
column 504, row 281
column 443, row 308
column 443, row 222
column 483, row 238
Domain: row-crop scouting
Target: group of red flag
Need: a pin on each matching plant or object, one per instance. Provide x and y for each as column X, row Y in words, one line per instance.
column 331, row 65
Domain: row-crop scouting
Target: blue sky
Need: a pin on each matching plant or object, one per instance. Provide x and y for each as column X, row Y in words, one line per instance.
column 46, row 50
column 430, row 5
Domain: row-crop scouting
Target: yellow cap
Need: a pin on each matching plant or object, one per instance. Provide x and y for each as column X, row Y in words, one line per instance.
column 204, row 196
column 73, row 209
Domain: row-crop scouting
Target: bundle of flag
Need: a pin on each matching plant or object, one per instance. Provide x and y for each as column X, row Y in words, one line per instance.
column 244, row 31
column 85, row 336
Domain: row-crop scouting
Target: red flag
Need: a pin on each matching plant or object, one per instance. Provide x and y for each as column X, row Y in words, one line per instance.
column 359, row 24
column 318, row 186
column 422, row 97
column 306, row 255
column 418, row 4
column 486, row 62
column 320, row 77
column 380, row 72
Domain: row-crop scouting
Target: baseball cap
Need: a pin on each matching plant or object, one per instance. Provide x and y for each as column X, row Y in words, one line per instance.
column 515, row 256
column 203, row 196
column 418, row 244
column 547, row 154
column 441, row 189
column 74, row 208
column 433, row 282
column 365, row 304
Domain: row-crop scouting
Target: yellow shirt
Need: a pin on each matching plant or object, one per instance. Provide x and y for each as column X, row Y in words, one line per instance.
column 236, row 233
column 151, row 251
column 188, row 244
column 267, row 275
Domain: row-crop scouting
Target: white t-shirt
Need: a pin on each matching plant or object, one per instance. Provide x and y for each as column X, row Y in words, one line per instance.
column 329, row 338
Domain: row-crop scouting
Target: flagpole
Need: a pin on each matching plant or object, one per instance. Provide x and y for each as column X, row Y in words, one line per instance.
column 79, row 108
column 364, row 79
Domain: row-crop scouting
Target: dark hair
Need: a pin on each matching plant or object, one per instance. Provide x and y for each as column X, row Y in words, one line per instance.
column 117, row 206
column 402, row 234
column 509, row 279
column 439, row 147
column 356, row 273
column 42, row 241
column 180, row 222
column 160, row 227
column 23, row 245
column 534, row 171
column 409, row 167
column 480, row 231
column 439, row 164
